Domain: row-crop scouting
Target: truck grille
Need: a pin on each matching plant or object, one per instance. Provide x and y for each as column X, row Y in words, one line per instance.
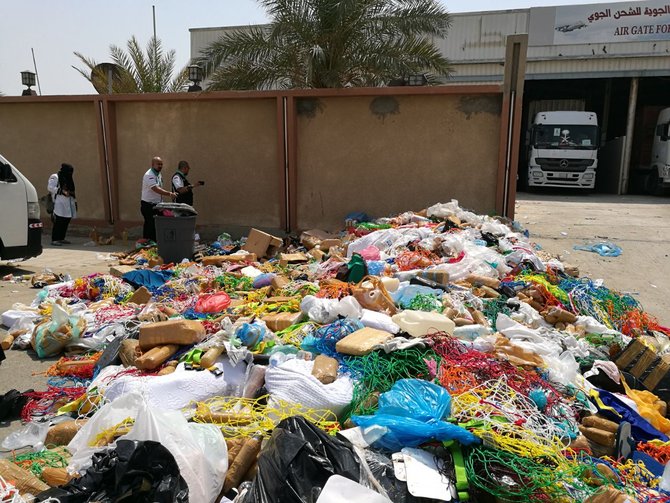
column 553, row 164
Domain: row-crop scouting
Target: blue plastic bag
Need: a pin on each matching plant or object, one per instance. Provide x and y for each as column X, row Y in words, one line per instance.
column 413, row 412
column 602, row 249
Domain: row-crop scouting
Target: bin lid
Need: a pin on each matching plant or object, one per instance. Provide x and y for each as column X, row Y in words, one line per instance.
column 179, row 209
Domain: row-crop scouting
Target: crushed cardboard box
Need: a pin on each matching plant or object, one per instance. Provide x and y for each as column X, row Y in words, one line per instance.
column 261, row 243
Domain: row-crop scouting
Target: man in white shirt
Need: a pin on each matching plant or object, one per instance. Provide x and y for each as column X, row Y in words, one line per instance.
column 152, row 192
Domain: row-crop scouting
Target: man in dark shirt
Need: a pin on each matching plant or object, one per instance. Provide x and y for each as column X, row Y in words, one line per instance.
column 182, row 186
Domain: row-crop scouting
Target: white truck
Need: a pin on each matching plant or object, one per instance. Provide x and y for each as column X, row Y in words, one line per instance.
column 563, row 149
column 658, row 179
column 20, row 224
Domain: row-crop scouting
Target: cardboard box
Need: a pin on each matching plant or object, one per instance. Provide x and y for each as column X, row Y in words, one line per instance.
column 292, row 258
column 652, row 370
column 120, row 270
column 317, row 253
column 140, row 296
column 261, row 243
column 280, row 321
column 316, row 237
column 279, row 282
column 161, row 333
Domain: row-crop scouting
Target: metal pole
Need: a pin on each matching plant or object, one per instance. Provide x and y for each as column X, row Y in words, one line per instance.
column 109, row 80
column 36, row 74
column 153, row 10
column 630, row 130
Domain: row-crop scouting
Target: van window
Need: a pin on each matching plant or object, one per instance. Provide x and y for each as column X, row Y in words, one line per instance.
column 6, row 174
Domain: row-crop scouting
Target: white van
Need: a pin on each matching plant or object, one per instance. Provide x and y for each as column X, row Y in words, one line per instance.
column 20, row 224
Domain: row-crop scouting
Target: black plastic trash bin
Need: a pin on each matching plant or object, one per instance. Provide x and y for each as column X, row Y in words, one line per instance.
column 175, row 235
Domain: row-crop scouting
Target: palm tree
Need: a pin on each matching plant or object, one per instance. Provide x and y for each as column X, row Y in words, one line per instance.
column 137, row 72
column 330, row 43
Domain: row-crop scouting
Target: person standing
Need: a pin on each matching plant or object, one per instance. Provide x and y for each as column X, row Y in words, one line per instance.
column 152, row 192
column 181, row 186
column 62, row 190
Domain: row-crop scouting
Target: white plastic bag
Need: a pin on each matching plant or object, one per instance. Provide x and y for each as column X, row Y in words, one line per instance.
column 31, row 435
column 326, row 311
column 292, row 381
column 199, row 449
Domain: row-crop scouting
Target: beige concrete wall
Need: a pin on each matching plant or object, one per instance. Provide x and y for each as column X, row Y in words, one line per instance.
column 38, row 137
column 390, row 154
column 230, row 144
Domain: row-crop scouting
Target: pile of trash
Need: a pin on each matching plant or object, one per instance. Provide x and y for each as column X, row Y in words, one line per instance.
column 430, row 356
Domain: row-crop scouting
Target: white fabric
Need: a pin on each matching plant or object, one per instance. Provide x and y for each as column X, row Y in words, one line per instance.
column 64, row 206
column 292, row 381
column 149, row 180
column 178, row 389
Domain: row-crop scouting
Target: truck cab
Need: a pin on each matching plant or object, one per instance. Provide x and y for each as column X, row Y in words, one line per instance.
column 658, row 180
column 563, row 150
column 20, row 224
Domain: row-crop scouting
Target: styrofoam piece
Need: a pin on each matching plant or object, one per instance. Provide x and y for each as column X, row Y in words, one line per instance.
column 399, row 466
column 339, row 489
column 424, row 480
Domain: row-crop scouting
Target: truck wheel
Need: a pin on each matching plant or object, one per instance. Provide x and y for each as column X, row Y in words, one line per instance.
column 653, row 184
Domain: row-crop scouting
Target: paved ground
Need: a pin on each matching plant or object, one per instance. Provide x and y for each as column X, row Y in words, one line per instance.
column 640, row 225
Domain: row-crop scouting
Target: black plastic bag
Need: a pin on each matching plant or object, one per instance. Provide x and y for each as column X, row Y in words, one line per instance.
column 138, row 471
column 12, row 403
column 297, row 461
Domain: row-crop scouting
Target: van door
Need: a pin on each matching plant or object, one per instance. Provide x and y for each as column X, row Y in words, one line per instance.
column 13, row 207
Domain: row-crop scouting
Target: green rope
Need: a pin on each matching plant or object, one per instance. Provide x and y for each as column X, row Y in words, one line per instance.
column 425, row 302
column 492, row 307
column 41, row 459
column 508, row 476
column 377, row 372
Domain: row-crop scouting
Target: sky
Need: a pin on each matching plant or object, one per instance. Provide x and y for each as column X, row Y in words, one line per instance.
column 55, row 29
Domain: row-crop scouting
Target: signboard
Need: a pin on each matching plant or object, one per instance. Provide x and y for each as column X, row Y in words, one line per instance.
column 614, row 22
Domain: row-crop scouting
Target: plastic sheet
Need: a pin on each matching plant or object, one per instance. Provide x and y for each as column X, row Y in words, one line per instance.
column 141, row 471
column 199, row 449
column 604, row 249
column 51, row 336
column 212, row 303
column 297, row 462
column 413, row 412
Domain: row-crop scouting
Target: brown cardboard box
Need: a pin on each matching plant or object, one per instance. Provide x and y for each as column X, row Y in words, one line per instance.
column 120, row 270
column 363, row 341
column 280, row 321
column 316, row 237
column 261, row 243
column 140, row 296
column 279, row 282
column 171, row 332
column 652, row 370
column 317, row 254
column 292, row 258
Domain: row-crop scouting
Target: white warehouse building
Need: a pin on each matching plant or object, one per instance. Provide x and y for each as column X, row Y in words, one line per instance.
column 612, row 59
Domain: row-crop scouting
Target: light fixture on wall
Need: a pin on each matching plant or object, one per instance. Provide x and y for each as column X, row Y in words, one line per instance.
column 28, row 79
column 417, row 80
column 195, row 76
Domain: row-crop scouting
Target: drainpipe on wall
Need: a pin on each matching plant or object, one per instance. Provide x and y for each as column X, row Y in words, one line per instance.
column 630, row 130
